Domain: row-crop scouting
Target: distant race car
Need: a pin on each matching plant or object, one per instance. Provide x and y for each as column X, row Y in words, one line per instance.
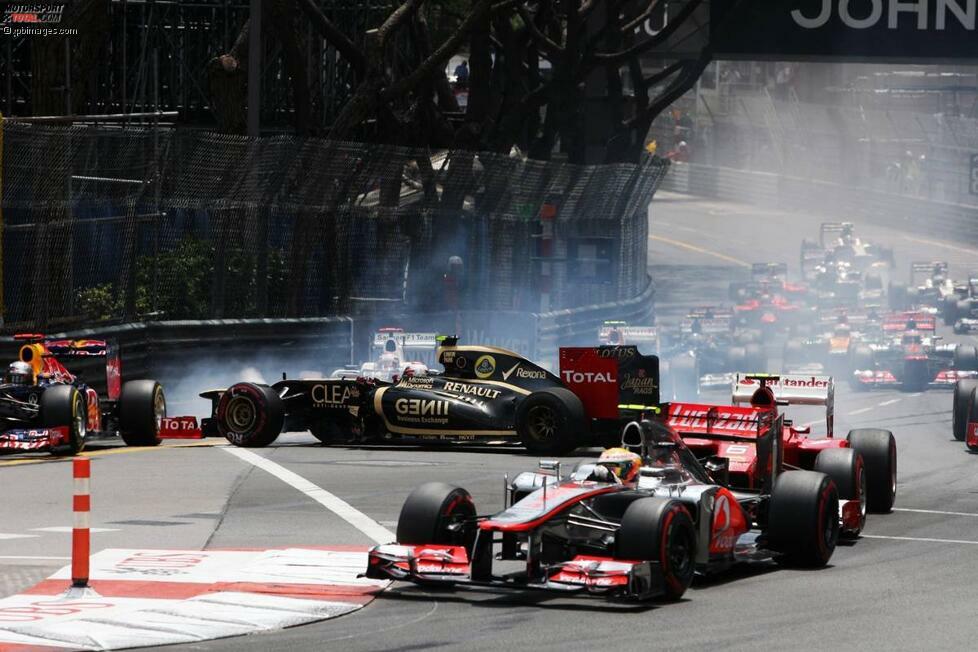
column 394, row 351
column 960, row 309
column 930, row 288
column 594, row 534
column 837, row 241
column 911, row 356
column 829, row 347
column 46, row 407
column 709, row 335
column 484, row 394
column 964, row 421
column 863, row 465
column 770, row 302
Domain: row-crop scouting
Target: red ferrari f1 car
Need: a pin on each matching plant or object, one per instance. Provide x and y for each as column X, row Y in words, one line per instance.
column 593, row 534
column 863, row 465
column 46, row 407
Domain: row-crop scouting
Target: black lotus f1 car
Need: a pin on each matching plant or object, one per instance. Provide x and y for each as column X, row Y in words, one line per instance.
column 590, row 533
column 483, row 394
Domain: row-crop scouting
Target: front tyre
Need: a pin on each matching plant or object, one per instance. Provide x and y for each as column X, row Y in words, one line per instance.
column 64, row 406
column 879, row 453
column 846, row 468
column 142, row 408
column 658, row 529
column 550, row 422
column 437, row 513
column 803, row 518
column 250, row 415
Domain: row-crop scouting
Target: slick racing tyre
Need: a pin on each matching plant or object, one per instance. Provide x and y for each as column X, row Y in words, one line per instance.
column 897, row 296
column 331, row 431
column 142, row 408
column 755, row 358
column 684, row 378
column 64, row 405
column 803, row 518
column 550, row 422
column 845, row 467
column 964, row 397
column 965, row 358
column 878, row 450
column 659, row 529
column 437, row 513
column 250, row 415
column 949, row 310
column 737, row 359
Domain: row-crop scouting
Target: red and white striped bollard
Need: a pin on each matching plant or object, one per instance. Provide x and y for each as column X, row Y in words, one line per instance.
column 80, row 535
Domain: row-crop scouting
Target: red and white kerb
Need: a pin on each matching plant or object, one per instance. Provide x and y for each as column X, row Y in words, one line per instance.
column 80, row 536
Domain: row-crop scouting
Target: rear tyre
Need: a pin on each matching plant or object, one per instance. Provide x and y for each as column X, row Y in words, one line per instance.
column 61, row 406
column 897, row 296
column 949, row 310
column 964, row 395
column 685, row 378
column 803, row 518
column 331, row 431
column 437, row 513
column 755, row 358
column 878, row 450
column 550, row 422
column 250, row 415
column 737, row 359
column 142, row 407
column 658, row 529
column 965, row 358
column 845, row 467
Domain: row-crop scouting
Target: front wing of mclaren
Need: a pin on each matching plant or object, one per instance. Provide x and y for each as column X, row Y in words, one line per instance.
column 450, row 565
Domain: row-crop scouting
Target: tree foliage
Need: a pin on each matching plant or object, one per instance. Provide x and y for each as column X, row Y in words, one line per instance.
column 546, row 75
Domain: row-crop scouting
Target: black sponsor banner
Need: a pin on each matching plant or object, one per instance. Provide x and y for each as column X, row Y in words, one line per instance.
column 881, row 30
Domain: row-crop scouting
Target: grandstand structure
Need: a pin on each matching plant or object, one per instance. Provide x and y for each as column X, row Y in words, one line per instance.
column 153, row 54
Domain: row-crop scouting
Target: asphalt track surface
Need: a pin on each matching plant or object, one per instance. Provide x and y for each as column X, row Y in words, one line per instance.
column 909, row 583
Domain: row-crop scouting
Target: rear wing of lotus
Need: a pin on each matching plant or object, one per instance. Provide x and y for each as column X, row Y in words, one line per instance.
column 611, row 379
column 924, row 269
column 790, row 389
column 88, row 359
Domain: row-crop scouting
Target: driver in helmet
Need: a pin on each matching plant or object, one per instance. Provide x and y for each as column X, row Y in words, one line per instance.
column 622, row 463
column 19, row 373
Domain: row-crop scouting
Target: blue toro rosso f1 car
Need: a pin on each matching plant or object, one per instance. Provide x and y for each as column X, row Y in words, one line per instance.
column 591, row 533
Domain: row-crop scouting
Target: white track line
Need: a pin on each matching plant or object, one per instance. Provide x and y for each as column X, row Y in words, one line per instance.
column 932, row 511
column 41, row 557
column 341, row 508
column 920, row 539
column 862, row 411
column 890, row 402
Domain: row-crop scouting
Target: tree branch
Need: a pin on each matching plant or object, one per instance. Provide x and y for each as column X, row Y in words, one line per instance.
column 440, row 56
column 612, row 58
column 396, row 19
column 347, row 48
column 539, row 37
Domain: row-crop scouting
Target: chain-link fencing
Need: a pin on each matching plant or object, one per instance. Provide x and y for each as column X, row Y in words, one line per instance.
column 104, row 224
